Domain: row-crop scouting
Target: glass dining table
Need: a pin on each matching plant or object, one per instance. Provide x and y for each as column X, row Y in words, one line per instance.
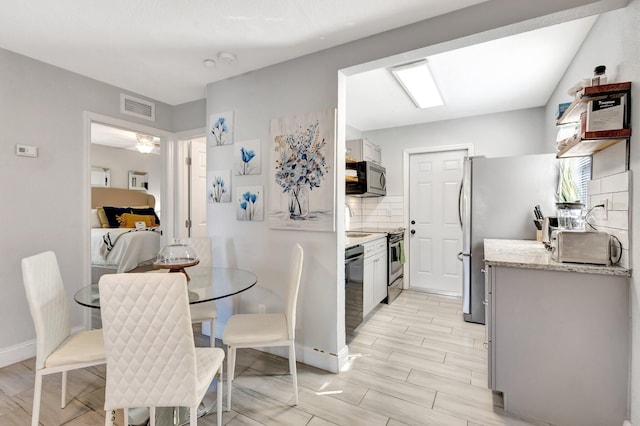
column 204, row 285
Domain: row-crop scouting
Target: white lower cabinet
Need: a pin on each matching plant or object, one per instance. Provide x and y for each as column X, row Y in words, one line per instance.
column 374, row 274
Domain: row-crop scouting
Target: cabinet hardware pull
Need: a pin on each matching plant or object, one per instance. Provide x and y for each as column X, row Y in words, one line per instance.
column 486, row 345
column 485, row 303
column 484, row 271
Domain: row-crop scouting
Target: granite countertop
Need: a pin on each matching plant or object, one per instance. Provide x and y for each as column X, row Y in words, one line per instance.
column 354, row 241
column 529, row 254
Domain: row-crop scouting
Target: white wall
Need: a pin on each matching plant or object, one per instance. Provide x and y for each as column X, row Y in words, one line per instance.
column 615, row 42
column 121, row 161
column 46, row 198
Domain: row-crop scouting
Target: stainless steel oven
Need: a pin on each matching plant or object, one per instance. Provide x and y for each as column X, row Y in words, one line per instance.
column 353, row 274
column 395, row 247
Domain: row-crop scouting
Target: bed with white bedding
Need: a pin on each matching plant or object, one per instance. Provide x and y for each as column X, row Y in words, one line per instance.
column 122, row 249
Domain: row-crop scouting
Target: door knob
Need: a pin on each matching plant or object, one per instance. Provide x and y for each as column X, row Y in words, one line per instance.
column 413, row 231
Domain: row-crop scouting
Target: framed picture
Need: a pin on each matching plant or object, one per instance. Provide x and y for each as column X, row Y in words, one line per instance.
column 250, row 203
column 247, row 158
column 302, row 187
column 219, row 186
column 220, row 129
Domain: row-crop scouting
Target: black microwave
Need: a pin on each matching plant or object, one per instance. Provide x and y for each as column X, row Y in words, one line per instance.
column 365, row 179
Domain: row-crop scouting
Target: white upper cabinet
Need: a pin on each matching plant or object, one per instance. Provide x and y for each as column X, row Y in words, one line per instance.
column 363, row 150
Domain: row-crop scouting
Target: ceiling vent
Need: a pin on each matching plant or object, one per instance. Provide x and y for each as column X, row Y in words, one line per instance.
column 137, row 107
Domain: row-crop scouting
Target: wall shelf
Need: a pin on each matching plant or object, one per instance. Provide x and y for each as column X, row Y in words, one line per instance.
column 591, row 142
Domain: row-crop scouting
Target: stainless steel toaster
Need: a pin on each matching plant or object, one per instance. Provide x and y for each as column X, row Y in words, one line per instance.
column 581, row 247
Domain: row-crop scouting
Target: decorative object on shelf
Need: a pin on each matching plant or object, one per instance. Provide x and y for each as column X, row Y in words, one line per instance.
column 219, row 189
column 175, row 257
column 144, row 143
column 248, row 158
column 599, row 76
column 302, row 182
column 220, row 129
column 250, row 203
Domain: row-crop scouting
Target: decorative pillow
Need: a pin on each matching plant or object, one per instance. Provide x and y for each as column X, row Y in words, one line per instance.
column 102, row 217
column 146, row 211
column 112, row 214
column 94, row 220
column 128, row 220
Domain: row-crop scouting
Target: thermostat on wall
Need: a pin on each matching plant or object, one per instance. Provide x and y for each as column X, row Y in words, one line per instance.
column 27, row 150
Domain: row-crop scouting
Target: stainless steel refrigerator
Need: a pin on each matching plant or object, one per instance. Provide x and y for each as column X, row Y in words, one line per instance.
column 497, row 197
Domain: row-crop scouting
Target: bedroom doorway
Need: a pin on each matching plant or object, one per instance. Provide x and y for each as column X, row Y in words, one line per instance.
column 114, row 148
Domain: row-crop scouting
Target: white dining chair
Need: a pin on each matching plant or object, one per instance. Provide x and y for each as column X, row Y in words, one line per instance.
column 57, row 351
column 152, row 360
column 267, row 330
column 205, row 311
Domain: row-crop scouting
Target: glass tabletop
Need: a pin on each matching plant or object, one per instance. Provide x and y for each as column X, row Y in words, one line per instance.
column 205, row 285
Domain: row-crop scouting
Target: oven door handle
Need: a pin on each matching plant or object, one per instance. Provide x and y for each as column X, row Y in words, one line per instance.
column 353, row 259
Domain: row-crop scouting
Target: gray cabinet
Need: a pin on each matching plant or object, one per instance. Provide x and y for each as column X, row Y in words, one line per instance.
column 558, row 344
column 374, row 274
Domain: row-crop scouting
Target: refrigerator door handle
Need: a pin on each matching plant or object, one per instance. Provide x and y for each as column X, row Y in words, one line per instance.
column 460, row 203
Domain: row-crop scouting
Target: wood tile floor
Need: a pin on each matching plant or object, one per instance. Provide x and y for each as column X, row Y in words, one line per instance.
column 414, row 362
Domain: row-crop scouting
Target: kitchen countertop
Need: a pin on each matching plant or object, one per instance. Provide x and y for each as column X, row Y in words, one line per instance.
column 529, row 254
column 354, row 241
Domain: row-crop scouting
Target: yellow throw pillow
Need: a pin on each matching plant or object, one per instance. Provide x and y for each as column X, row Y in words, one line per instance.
column 102, row 216
column 128, row 220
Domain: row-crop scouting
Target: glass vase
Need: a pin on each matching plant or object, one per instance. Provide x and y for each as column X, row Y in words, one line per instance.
column 299, row 203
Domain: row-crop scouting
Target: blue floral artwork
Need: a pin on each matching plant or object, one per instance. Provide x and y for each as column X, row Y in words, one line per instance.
column 220, row 129
column 247, row 158
column 250, row 203
column 302, row 183
column 219, row 186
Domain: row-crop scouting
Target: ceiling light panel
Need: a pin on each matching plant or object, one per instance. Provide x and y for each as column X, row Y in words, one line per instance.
column 417, row 81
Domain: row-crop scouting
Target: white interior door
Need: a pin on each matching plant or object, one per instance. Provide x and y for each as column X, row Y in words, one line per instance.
column 435, row 237
column 198, row 192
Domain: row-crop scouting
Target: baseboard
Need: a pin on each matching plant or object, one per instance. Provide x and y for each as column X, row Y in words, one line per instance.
column 17, row 353
column 23, row 351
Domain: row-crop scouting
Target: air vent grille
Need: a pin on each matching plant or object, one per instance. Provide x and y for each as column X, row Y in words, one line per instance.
column 137, row 107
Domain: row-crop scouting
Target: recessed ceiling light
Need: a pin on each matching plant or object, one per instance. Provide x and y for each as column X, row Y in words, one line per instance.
column 209, row 63
column 417, row 81
column 226, row 57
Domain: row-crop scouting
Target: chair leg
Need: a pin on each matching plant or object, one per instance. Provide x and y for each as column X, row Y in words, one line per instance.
column 231, row 367
column 63, row 393
column 37, row 392
column 109, row 417
column 152, row 416
column 293, row 370
column 219, row 397
column 193, row 416
column 212, row 338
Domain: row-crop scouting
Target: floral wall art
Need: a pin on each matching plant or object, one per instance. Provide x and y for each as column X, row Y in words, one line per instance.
column 302, row 187
column 220, row 129
column 219, row 186
column 247, row 158
column 250, row 203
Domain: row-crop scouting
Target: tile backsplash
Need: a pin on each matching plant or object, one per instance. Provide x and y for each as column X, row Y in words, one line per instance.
column 615, row 189
column 375, row 212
